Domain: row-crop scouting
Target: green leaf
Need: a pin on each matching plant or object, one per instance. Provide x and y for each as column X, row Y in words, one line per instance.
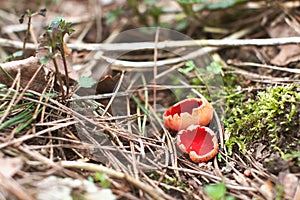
column 223, row 4
column 293, row 155
column 6, row 73
column 216, row 192
column 56, row 21
column 229, row 198
column 190, row 65
column 18, row 53
column 14, row 55
column 45, row 59
column 113, row 15
column 103, row 179
column 181, row 25
column 27, row 123
column 86, row 82
column 90, row 179
column 214, row 67
column 24, row 116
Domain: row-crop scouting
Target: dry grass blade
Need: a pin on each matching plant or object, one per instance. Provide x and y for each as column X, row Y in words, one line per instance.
column 27, row 137
column 17, row 83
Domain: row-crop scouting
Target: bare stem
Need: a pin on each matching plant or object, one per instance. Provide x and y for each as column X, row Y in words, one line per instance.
column 59, row 79
column 155, row 68
column 63, row 55
column 27, row 33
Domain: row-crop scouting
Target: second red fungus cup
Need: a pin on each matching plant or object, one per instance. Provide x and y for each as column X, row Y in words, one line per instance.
column 199, row 142
column 197, row 111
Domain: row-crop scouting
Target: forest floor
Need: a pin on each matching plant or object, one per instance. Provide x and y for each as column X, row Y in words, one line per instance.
column 84, row 86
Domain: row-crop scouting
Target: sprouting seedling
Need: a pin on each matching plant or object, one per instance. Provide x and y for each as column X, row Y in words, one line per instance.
column 54, row 38
column 29, row 14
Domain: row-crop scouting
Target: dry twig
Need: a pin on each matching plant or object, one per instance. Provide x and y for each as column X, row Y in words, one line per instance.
column 166, row 44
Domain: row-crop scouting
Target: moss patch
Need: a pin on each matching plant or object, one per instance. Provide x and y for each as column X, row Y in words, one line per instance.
column 272, row 118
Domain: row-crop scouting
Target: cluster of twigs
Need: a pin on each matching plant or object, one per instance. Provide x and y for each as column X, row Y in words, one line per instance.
column 54, row 132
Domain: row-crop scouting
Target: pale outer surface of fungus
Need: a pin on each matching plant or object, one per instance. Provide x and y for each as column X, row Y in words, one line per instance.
column 201, row 115
column 193, row 155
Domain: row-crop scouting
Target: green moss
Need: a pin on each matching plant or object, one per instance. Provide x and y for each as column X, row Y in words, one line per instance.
column 271, row 117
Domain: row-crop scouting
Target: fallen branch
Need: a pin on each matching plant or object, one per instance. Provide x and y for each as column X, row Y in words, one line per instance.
column 165, row 44
column 148, row 65
column 250, row 64
column 186, row 43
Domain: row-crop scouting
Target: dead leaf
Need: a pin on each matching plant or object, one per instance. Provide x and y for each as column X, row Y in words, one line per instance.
column 267, row 190
column 289, row 182
column 28, row 67
column 107, row 84
column 104, row 194
column 240, row 179
column 288, row 53
column 259, row 151
column 64, row 188
column 10, row 166
column 297, row 194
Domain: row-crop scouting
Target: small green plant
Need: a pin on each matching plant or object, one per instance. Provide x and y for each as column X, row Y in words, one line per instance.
column 189, row 66
column 21, row 115
column 214, row 67
column 217, row 192
column 293, row 155
column 86, row 82
column 54, row 39
column 103, row 179
column 152, row 12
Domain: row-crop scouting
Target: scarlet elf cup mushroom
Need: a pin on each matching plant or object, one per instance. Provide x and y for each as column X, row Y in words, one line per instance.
column 199, row 142
column 197, row 111
column 190, row 117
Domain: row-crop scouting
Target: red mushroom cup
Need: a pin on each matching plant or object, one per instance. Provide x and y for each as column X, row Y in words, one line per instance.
column 199, row 142
column 187, row 112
